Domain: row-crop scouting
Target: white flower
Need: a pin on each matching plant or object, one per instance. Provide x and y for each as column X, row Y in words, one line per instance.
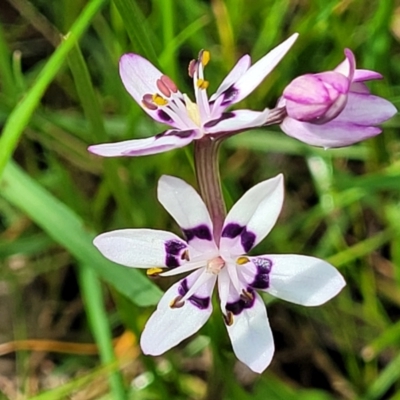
column 186, row 306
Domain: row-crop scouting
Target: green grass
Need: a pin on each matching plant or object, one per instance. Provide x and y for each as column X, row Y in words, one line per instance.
column 58, row 94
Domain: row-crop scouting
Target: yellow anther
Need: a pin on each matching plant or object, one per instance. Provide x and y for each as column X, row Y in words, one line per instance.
column 202, row 84
column 160, row 101
column 154, row 271
column 228, row 318
column 177, row 302
column 205, row 57
column 242, row 260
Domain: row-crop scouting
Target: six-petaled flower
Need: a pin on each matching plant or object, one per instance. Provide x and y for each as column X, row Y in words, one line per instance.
column 158, row 95
column 221, row 260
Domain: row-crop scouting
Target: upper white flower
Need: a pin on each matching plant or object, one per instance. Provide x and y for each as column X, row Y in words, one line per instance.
column 158, row 95
column 186, row 306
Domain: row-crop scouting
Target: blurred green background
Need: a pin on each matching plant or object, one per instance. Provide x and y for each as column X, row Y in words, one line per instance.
column 70, row 320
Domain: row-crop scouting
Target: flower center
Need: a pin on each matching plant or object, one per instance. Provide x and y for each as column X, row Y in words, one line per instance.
column 215, row 265
column 192, row 110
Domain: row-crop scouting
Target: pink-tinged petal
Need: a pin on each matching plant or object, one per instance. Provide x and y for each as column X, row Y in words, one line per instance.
column 237, row 120
column 168, row 326
column 257, row 72
column 188, row 209
column 169, row 140
column 236, row 72
column 252, row 217
column 361, row 75
column 142, row 248
column 251, row 336
column 139, row 77
column 366, row 109
column 307, row 89
column 348, row 66
column 303, row 280
column 359, row 87
column 332, row 134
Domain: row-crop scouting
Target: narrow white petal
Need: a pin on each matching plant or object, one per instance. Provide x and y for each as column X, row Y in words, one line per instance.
column 168, row 326
column 252, row 217
column 188, row 209
column 169, row 140
column 251, row 336
column 141, row 248
column 257, row 72
column 236, row 72
column 303, row 280
column 237, row 120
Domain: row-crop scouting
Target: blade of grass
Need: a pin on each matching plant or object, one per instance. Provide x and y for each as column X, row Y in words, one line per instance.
column 137, row 28
column 93, row 114
column 22, row 113
column 97, row 317
column 65, row 227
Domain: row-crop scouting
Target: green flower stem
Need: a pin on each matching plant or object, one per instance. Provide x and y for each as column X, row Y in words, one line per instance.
column 208, row 179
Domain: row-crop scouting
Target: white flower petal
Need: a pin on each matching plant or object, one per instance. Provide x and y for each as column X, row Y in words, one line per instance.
column 142, row 248
column 303, row 280
column 252, row 217
column 168, row 326
column 257, row 72
column 237, row 120
column 236, row 72
column 169, row 140
column 188, row 209
column 251, row 336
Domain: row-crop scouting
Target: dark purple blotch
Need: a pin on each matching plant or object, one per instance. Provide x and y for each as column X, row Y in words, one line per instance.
column 230, row 95
column 223, row 117
column 173, row 251
column 263, row 268
column 200, row 302
column 201, row 232
column 164, row 116
column 247, row 238
column 236, row 307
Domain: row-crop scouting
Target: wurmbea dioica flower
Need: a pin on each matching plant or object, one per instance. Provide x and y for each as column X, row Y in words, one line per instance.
column 158, row 95
column 334, row 108
column 186, row 306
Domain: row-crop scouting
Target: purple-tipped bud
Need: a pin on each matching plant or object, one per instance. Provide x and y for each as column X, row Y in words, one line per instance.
column 334, row 108
column 319, row 98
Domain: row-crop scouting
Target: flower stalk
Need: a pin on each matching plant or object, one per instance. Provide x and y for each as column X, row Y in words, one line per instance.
column 206, row 153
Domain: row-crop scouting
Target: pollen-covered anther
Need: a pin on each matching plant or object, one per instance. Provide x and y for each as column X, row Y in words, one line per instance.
column 154, row 272
column 185, row 255
column 177, row 302
column 169, row 83
column 228, row 318
column 242, row 260
column 205, row 57
column 147, row 101
column 247, row 296
column 159, row 100
column 215, row 265
column 202, row 84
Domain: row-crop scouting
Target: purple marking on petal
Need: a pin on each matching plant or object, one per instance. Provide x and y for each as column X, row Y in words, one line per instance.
column 164, row 116
column 230, row 95
column 247, row 238
column 224, row 116
column 200, row 302
column 182, row 134
column 236, row 307
column 232, row 230
column 261, row 279
column 200, row 232
column 173, row 249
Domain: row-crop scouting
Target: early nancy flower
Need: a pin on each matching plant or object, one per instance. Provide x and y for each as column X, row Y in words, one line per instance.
column 186, row 306
column 334, row 108
column 158, row 95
